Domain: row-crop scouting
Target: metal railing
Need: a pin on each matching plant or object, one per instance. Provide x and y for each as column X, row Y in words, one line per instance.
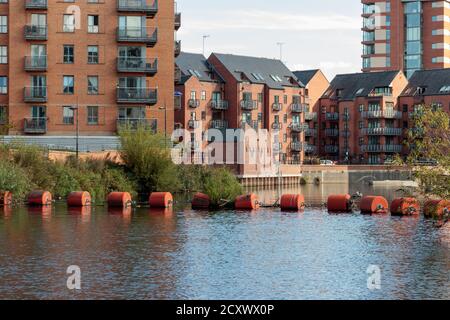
column 127, row 64
column 144, row 95
column 379, row 114
column 193, row 103
column 277, row 126
column 36, row 4
column 310, row 148
column 135, row 123
column 35, row 32
column 332, row 116
column 177, row 20
column 219, row 105
column 137, row 6
column 35, row 94
column 35, row 125
column 331, row 132
column 298, row 127
column 311, row 132
column 219, row 124
column 296, row 146
column 277, row 106
column 35, row 63
column 177, row 48
column 146, row 35
column 376, row 148
column 310, row 116
column 382, row 131
column 331, row 149
column 249, row 104
column 297, row 108
column 193, row 124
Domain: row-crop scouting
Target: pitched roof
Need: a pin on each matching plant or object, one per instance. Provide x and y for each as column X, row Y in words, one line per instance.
column 432, row 81
column 359, row 84
column 305, row 76
column 270, row 72
column 193, row 65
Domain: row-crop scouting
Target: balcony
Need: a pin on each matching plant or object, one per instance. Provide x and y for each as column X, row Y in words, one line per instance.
column 310, row 116
column 277, row 106
column 297, row 108
column 331, row 149
column 193, row 124
column 310, row 149
column 36, row 63
column 332, row 132
column 310, row 132
column 332, row 116
column 135, row 123
column 140, row 6
column 378, row 148
column 249, row 105
column 177, row 21
column 346, row 133
column 382, row 131
column 382, row 114
column 219, row 124
column 177, row 48
column 298, row 127
column 277, row 126
column 149, row 36
column 36, row 4
column 219, row 105
column 35, row 94
column 137, row 65
column 177, row 103
column 250, row 123
column 193, row 103
column 137, row 95
column 35, row 125
column 177, row 74
column 35, row 32
column 296, row 146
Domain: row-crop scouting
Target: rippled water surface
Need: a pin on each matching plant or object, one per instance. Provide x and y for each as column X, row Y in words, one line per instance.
column 227, row 255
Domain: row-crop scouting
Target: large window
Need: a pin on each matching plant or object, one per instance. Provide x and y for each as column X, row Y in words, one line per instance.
column 3, row 24
column 68, row 84
column 93, row 55
column 3, row 54
column 93, row 85
column 69, row 23
column 92, row 115
column 3, row 85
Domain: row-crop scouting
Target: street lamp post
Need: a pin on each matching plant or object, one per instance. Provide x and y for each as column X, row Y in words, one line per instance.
column 77, row 144
column 165, row 121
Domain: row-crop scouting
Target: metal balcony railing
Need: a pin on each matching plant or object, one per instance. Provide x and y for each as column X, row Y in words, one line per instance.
column 219, row 124
column 331, row 149
column 251, row 123
column 193, row 103
column 332, row 132
column 310, row 116
column 193, row 124
column 139, row 65
column 177, row 75
column 277, row 126
column 145, row 35
column 137, row 95
column 297, row 108
column 332, row 116
column 35, row 125
column 35, row 32
column 177, row 48
column 249, row 104
column 310, row 148
column 219, row 105
column 377, row 148
column 277, row 106
column 135, row 123
column 36, row 63
column 138, row 6
column 382, row 114
column 177, row 21
column 36, row 4
column 382, row 131
column 310, row 132
column 298, row 127
column 35, row 94
column 296, row 146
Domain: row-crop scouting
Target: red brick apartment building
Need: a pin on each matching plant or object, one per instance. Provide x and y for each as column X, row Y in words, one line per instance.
column 406, row 35
column 229, row 92
column 112, row 61
column 360, row 120
column 315, row 86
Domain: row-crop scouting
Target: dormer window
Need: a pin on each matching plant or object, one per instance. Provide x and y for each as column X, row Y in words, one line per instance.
column 420, row 90
column 339, row 92
column 381, row 91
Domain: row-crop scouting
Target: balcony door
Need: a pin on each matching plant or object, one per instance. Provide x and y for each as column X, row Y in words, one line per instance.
column 296, row 119
column 132, row 82
column 39, row 20
column 216, row 96
column 132, row 113
column 38, row 112
column 39, row 86
column 132, row 26
column 38, row 55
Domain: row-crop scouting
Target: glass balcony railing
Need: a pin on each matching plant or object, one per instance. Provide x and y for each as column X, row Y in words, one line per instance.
column 138, row 6
column 36, row 32
column 35, row 125
column 36, row 4
column 35, row 94
column 36, row 63
column 137, row 95
column 145, row 35
column 139, row 65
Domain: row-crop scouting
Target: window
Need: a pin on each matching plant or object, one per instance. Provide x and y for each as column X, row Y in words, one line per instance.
column 92, row 115
column 93, row 54
column 93, row 24
column 3, row 114
column 3, row 24
column 203, row 97
column 68, row 85
column 68, row 115
column 3, row 85
column 68, row 54
column 260, row 97
column 69, row 23
column 3, row 54
column 93, row 85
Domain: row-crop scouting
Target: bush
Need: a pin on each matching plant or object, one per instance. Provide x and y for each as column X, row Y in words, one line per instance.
column 221, row 186
column 14, row 179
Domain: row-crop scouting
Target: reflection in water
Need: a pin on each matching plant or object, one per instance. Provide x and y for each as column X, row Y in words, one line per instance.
column 267, row 254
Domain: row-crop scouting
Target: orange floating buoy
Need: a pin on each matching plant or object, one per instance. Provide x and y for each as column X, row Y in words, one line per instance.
column 119, row 200
column 40, row 198
column 201, row 201
column 246, row 202
column 161, row 200
column 5, row 198
column 79, row 199
column 339, row 203
column 374, row 204
column 405, row 206
column 436, row 208
column 292, row 202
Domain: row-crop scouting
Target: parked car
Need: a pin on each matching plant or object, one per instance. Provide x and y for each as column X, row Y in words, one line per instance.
column 327, row 163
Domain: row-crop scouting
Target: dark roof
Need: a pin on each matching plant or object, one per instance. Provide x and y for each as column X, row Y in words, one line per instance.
column 259, row 70
column 193, row 65
column 305, row 76
column 430, row 80
column 359, row 84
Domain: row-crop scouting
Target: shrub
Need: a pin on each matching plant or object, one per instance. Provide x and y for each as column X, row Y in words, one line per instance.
column 221, row 186
column 14, row 179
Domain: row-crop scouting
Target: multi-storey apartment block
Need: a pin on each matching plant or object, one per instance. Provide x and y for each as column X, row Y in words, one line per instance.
column 406, row 35
column 100, row 64
column 360, row 121
column 315, row 85
column 238, row 92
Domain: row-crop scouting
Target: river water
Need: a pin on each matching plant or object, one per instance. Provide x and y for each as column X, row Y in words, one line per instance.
column 182, row 254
